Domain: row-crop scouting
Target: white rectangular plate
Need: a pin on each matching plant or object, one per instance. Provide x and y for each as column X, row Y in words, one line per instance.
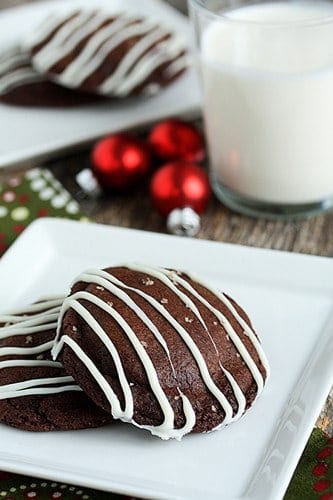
column 289, row 298
column 39, row 133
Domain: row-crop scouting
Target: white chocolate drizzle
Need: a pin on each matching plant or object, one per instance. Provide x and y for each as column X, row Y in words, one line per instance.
column 16, row 70
column 39, row 317
column 105, row 281
column 66, row 39
column 104, row 33
column 226, row 324
column 127, row 414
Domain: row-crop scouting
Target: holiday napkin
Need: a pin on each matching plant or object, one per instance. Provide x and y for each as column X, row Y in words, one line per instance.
column 23, row 198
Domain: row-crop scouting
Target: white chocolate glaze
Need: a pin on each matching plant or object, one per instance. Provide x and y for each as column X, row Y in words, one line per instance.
column 126, row 415
column 11, row 58
column 67, row 38
column 172, row 277
column 49, row 24
column 25, row 351
column 16, row 70
column 226, row 324
column 104, row 33
column 89, row 59
column 195, row 351
column 105, row 281
column 39, row 317
column 35, row 387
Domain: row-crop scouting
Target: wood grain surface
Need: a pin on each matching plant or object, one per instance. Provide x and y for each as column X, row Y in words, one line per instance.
column 134, row 210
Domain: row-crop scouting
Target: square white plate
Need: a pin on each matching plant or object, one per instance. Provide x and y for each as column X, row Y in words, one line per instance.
column 289, row 298
column 39, row 133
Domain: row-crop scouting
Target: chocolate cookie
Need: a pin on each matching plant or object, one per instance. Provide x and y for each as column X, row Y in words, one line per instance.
column 22, row 85
column 35, row 392
column 160, row 349
column 110, row 55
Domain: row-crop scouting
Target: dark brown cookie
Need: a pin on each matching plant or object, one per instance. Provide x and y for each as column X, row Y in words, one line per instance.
column 116, row 56
column 21, row 85
column 160, row 350
column 35, row 392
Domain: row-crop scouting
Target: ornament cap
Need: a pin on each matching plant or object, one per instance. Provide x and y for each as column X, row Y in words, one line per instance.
column 183, row 222
column 88, row 183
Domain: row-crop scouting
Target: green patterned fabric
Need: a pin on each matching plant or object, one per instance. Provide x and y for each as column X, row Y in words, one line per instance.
column 24, row 198
column 313, row 477
column 15, row 487
column 38, row 194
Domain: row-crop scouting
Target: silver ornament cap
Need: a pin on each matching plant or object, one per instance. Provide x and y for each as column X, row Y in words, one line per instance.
column 183, row 222
column 88, row 183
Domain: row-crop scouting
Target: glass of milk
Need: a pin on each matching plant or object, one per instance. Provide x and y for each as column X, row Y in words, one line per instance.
column 266, row 69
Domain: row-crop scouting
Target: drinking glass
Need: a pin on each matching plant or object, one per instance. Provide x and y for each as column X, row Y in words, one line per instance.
column 266, row 71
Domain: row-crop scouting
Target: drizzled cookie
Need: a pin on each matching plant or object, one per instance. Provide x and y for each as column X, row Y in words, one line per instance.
column 111, row 55
column 35, row 392
column 160, row 349
column 22, row 85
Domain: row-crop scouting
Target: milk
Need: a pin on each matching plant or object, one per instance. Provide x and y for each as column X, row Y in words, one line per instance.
column 268, row 100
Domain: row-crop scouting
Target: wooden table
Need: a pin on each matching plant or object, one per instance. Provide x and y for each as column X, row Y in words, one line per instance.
column 310, row 236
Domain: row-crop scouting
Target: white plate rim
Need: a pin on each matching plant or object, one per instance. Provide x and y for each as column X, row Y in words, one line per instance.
column 319, row 371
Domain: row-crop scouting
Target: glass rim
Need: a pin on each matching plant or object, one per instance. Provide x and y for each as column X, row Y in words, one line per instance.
column 200, row 5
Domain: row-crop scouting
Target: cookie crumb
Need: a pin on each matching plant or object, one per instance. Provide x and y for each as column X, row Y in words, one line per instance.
column 74, row 328
column 215, row 323
column 164, row 301
column 28, row 339
column 188, row 320
column 99, row 287
column 214, row 408
column 147, row 281
column 144, row 344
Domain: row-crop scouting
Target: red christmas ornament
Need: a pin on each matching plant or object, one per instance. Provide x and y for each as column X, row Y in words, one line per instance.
column 120, row 160
column 177, row 140
column 180, row 191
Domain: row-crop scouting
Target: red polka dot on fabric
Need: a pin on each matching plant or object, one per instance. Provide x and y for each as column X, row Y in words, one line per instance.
column 320, row 469
column 18, row 228
column 325, row 453
column 24, row 198
column 322, row 485
column 42, row 212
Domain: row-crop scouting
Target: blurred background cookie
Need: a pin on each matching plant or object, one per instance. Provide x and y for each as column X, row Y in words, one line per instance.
column 112, row 55
column 22, row 85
